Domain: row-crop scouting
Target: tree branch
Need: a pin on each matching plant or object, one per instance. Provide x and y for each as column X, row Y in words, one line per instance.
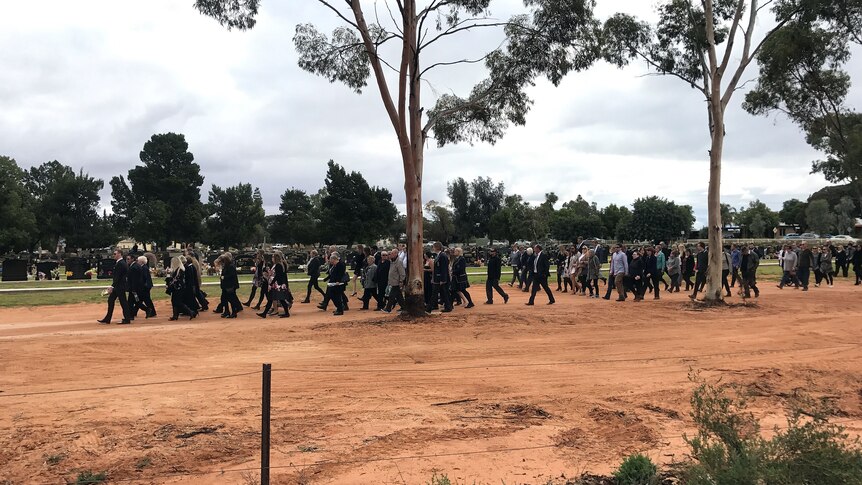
column 338, row 12
column 452, row 63
column 731, row 37
column 454, row 30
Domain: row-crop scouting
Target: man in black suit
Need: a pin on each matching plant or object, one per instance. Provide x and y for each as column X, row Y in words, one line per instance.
column 118, row 290
column 313, row 270
column 495, row 268
column 440, row 280
column 541, row 272
column 135, row 283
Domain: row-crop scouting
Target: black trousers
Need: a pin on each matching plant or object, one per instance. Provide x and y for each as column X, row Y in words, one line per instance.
column 312, row 284
column 541, row 281
column 124, row 304
column 490, row 287
column 336, row 294
column 230, row 302
column 749, row 284
column 699, row 282
column 441, row 292
column 178, row 305
column 395, row 296
column 687, row 278
column 656, row 278
column 674, row 282
column 147, row 302
column 734, row 277
column 638, row 288
column 611, row 287
column 367, row 295
column 724, row 282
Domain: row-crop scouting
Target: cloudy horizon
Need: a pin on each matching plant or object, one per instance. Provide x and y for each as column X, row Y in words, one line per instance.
column 89, row 86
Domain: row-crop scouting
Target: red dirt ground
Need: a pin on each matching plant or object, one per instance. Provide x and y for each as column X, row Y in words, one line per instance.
column 553, row 390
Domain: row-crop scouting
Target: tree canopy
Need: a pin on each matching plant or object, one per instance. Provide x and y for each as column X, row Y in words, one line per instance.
column 17, row 221
column 236, row 216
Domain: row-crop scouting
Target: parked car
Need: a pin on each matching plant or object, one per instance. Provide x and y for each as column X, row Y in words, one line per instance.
column 842, row 238
column 792, row 235
column 809, row 235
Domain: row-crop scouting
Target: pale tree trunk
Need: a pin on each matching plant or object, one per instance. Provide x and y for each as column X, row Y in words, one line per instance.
column 716, row 118
column 407, row 121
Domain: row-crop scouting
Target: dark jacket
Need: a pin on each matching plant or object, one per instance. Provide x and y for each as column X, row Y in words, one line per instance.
column 229, row 279
column 688, row 265
column 806, row 259
column 702, row 259
column 192, row 276
column 495, row 268
column 336, row 274
column 542, row 265
column 441, row 268
column 382, row 274
column 147, row 278
column 135, row 278
column 636, row 268
column 121, row 273
column 280, row 275
column 459, row 267
column 651, row 265
column 314, row 267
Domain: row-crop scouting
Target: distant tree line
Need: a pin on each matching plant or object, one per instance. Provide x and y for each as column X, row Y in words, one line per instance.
column 160, row 201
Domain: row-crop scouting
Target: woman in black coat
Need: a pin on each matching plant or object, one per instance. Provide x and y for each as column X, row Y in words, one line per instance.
column 278, row 290
column 459, row 276
column 636, row 274
column 192, row 284
column 258, row 279
column 176, row 287
column 229, row 283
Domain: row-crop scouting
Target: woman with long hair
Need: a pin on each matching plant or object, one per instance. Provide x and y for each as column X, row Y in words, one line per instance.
column 459, row 276
column 197, row 292
column 176, row 287
column 257, row 281
column 229, row 284
column 279, row 291
column 594, row 271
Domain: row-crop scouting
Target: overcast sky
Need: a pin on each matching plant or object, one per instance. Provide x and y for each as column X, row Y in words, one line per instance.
column 87, row 84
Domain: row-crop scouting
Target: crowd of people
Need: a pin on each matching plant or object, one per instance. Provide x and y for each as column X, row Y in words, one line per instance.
column 381, row 275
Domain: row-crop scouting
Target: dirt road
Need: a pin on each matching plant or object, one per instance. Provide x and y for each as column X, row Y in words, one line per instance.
column 545, row 391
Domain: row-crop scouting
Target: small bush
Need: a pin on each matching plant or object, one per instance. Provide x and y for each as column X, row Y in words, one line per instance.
column 729, row 449
column 636, row 470
column 439, row 480
column 90, row 478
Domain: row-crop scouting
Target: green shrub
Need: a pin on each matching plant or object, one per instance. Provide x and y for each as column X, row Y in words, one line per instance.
column 89, row 478
column 439, row 480
column 729, row 449
column 636, row 470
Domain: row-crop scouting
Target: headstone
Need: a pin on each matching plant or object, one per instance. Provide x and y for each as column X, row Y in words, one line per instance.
column 106, row 269
column 76, row 269
column 14, row 270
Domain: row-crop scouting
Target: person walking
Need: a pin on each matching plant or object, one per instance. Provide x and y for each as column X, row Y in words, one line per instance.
column 636, row 275
column 229, row 284
column 312, row 269
column 841, row 265
column 176, row 287
column 541, row 271
column 651, row 272
column 618, row 271
column 594, row 272
column 279, row 291
column 791, row 262
column 117, row 290
column 441, row 280
column 826, row 266
column 748, row 263
column 857, row 265
column 687, row 266
column 146, row 287
column 735, row 262
column 515, row 262
column 495, row 269
column 397, row 276
column 369, row 283
column 673, row 266
column 661, row 263
column 701, row 262
column 528, row 260
column 806, row 261
column 562, row 257
column 726, row 264
column 382, row 279
column 259, row 269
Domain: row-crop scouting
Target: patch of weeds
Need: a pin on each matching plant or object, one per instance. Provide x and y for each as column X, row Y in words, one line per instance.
column 143, row 463
column 52, row 460
column 250, row 478
column 89, row 478
column 439, row 480
column 728, row 448
column 308, row 448
column 637, row 470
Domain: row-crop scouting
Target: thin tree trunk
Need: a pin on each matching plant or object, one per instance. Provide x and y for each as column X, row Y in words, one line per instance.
column 716, row 111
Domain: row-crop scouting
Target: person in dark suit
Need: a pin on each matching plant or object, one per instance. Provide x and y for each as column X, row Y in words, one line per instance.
column 118, row 289
column 528, row 263
column 338, row 278
column 701, row 261
column 440, row 280
column 229, row 284
column 176, row 287
column 495, row 269
column 135, row 280
column 541, row 267
column 637, row 275
column 313, row 270
column 146, row 286
column 382, row 277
